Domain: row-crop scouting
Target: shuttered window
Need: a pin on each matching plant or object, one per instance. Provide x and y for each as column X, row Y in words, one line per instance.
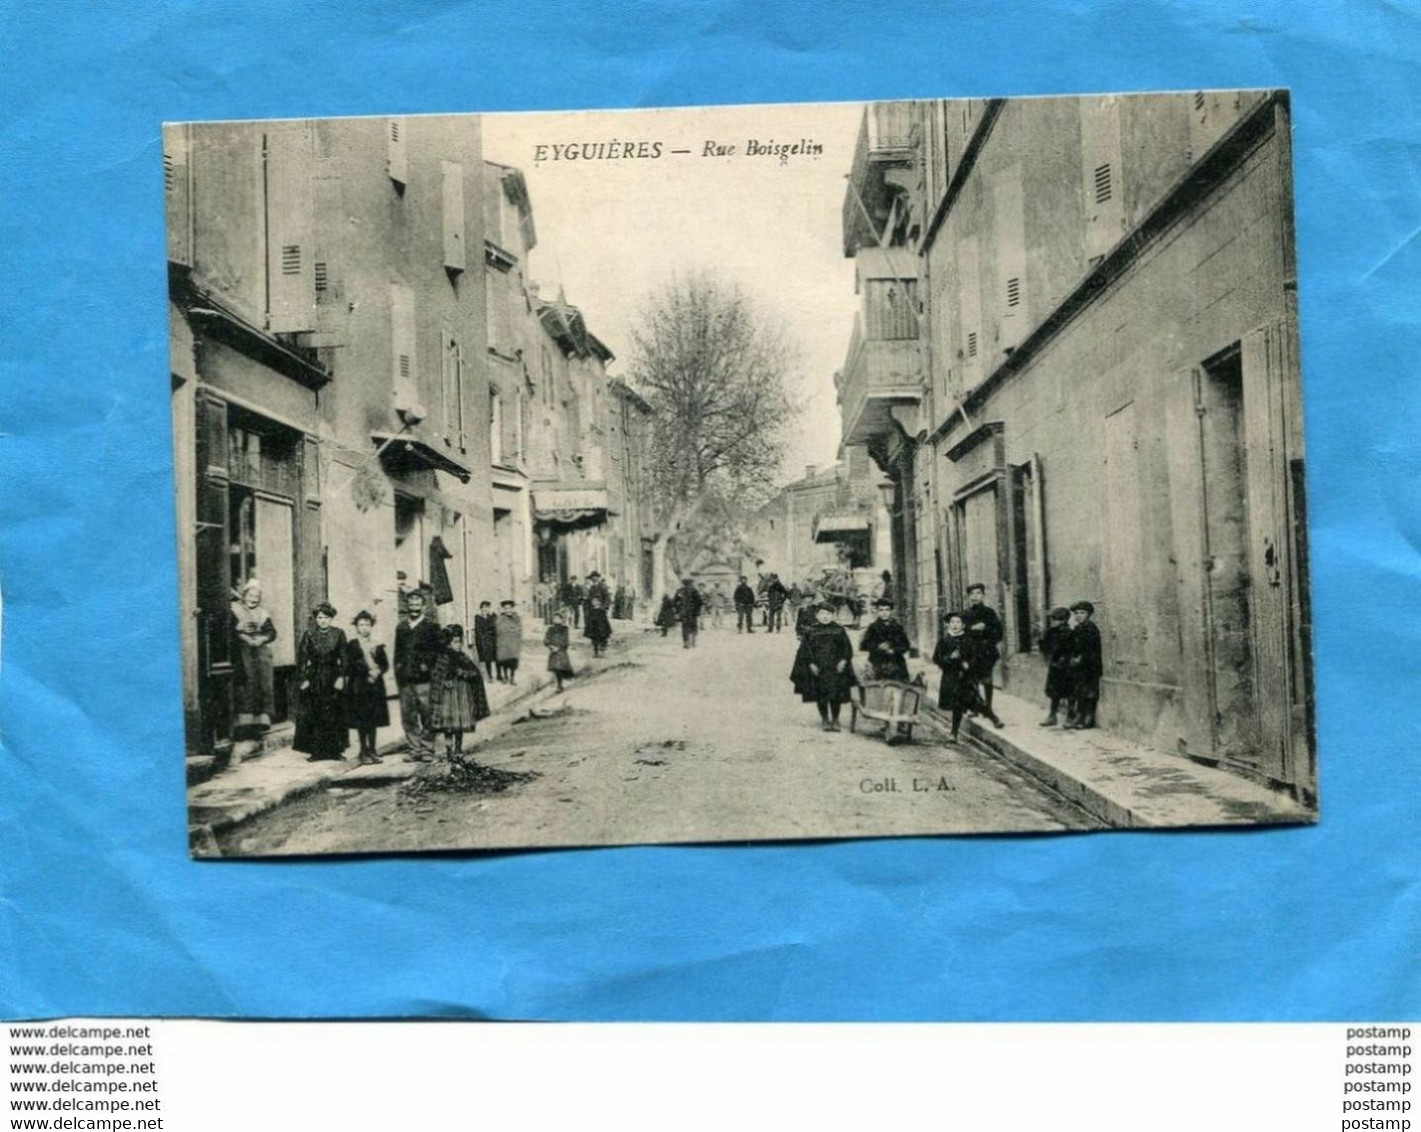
column 1101, row 174
column 890, row 308
column 397, row 159
column 290, row 213
column 177, row 192
column 402, row 338
column 453, row 209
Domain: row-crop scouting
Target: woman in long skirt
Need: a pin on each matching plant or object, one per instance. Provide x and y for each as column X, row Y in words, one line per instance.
column 366, row 700
column 321, row 663
column 598, row 628
column 457, row 696
column 556, row 640
column 508, row 640
column 254, row 631
column 823, row 672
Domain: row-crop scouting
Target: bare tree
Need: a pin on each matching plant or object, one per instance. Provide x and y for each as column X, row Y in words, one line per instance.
column 715, row 372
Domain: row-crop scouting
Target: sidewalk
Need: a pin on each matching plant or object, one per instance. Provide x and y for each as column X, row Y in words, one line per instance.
column 267, row 780
column 1123, row 783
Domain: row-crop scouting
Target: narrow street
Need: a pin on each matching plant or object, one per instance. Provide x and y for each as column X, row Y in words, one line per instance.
column 666, row 744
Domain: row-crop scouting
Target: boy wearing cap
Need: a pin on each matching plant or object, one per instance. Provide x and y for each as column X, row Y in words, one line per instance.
column 984, row 627
column 886, row 642
column 1058, row 670
column 1086, row 667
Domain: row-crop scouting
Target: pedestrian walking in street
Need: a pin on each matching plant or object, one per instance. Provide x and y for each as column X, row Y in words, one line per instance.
column 957, row 657
column 557, row 639
column 597, row 588
column 321, row 731
column 367, row 707
column 666, row 615
column 886, row 642
column 417, row 646
column 572, row 596
column 457, row 696
column 253, row 689
column 775, row 597
column 599, row 628
column 823, row 672
column 508, row 640
column 486, row 638
column 688, row 611
column 1086, row 666
column 717, row 605
column 1055, row 647
column 744, row 607
column 985, row 628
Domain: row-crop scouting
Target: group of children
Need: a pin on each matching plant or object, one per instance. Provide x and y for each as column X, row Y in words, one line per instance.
column 966, row 655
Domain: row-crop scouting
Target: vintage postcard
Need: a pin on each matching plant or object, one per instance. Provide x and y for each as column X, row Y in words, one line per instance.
column 739, row 473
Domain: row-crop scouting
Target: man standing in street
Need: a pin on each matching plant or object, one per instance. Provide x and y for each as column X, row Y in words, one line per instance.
column 744, row 607
column 688, row 607
column 417, row 646
column 985, row 629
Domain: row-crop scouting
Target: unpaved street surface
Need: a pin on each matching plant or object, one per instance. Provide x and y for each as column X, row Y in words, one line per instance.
column 667, row 744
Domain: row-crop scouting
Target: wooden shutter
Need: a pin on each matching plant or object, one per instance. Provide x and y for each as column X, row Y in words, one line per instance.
column 213, row 584
column 290, row 214
column 1101, row 179
column 397, row 159
column 453, row 216
column 177, row 192
column 1269, row 358
column 402, row 337
column 970, row 307
column 276, row 568
column 1010, row 239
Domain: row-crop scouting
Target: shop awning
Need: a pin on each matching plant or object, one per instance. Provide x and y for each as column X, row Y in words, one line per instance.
column 571, row 507
column 403, row 451
column 837, row 528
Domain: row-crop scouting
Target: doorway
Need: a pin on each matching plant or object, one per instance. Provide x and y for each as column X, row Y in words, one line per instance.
column 1228, row 612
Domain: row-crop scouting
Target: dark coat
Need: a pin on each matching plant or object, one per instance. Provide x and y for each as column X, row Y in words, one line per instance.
column 366, row 699
column 596, row 627
column 438, row 572
column 321, row 660
column 1055, row 647
column 688, row 606
column 959, row 658
column 744, row 596
column 457, row 696
column 417, row 647
column 556, row 641
column 486, row 636
column 598, row 589
column 989, row 636
column 803, row 620
column 826, row 647
column 776, row 594
column 1084, row 659
column 666, row 617
column 887, row 645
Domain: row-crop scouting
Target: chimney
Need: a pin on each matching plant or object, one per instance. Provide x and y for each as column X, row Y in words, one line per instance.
column 809, row 470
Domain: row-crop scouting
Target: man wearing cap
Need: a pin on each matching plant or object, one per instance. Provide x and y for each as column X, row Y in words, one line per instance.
column 688, row 608
column 886, row 642
column 984, row 626
column 744, row 598
column 418, row 643
column 1086, row 666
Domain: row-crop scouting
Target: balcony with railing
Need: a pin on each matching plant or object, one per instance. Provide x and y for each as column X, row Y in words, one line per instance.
column 884, row 156
column 879, row 375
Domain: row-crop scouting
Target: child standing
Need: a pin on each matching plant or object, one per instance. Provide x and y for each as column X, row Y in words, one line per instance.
column 823, row 671
column 1086, row 667
column 508, row 640
column 556, row 640
column 599, row 629
column 1058, row 662
column 366, row 702
column 457, row 697
column 486, row 637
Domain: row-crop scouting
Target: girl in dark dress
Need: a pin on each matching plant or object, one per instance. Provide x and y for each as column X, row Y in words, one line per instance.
column 366, row 701
column 958, row 656
column 486, row 637
column 556, row 640
column 457, row 696
column 321, row 662
column 598, row 629
column 823, row 671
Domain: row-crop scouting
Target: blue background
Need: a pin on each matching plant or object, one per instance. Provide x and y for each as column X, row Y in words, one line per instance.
column 103, row 912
